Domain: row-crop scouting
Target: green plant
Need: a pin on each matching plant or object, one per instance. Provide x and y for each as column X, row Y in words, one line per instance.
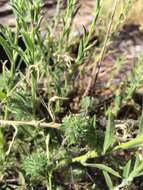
column 42, row 140
column 75, row 128
column 35, row 165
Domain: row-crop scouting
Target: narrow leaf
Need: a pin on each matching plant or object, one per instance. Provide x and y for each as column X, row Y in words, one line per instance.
column 104, row 168
column 28, row 41
column 136, row 171
column 80, row 52
column 6, row 47
column 127, row 169
column 108, row 180
column 22, row 54
column 141, row 125
column 138, row 141
column 109, row 135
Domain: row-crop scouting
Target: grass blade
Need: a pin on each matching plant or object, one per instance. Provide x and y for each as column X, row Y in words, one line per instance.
column 104, row 168
column 138, row 141
column 127, row 169
column 108, row 180
column 109, row 135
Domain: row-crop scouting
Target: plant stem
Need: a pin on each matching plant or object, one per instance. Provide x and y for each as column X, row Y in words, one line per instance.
column 96, row 67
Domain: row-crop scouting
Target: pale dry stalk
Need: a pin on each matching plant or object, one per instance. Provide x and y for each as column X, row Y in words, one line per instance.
column 96, row 66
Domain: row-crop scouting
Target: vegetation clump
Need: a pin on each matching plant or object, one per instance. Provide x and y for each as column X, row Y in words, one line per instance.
column 53, row 135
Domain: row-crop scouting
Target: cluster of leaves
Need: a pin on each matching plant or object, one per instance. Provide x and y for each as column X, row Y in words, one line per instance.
column 35, row 165
column 75, row 129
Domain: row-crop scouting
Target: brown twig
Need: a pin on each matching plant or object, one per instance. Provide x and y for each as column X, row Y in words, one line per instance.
column 31, row 123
